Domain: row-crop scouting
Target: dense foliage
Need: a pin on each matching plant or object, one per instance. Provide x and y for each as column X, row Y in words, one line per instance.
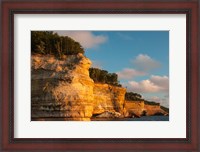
column 151, row 103
column 131, row 96
column 102, row 76
column 46, row 42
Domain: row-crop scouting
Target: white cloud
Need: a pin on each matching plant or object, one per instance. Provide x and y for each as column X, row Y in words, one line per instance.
column 151, row 85
column 144, row 86
column 145, row 62
column 128, row 73
column 86, row 38
column 160, row 81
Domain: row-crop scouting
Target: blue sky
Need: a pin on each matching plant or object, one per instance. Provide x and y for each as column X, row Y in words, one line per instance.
column 140, row 58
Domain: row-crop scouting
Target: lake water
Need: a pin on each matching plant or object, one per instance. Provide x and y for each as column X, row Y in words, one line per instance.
column 150, row 118
column 144, row 118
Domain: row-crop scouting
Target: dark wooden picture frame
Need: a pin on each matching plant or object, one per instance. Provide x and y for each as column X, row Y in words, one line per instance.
column 10, row 7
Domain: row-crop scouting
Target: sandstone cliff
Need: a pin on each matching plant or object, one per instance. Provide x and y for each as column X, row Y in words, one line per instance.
column 154, row 110
column 62, row 88
column 134, row 108
column 108, row 98
column 139, row 108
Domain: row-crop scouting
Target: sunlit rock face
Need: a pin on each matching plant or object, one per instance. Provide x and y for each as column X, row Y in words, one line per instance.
column 139, row 108
column 61, row 87
column 108, row 98
column 154, row 110
column 134, row 108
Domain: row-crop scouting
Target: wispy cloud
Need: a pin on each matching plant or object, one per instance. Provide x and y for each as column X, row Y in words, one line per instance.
column 128, row 73
column 86, row 38
column 145, row 62
column 152, row 85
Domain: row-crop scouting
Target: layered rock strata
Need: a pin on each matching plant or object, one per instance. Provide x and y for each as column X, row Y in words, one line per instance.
column 108, row 98
column 62, row 88
column 139, row 108
column 134, row 108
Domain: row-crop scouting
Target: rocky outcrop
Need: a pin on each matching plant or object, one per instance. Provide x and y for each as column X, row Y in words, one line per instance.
column 108, row 98
column 61, row 87
column 134, row 108
column 109, row 114
column 139, row 108
column 154, row 110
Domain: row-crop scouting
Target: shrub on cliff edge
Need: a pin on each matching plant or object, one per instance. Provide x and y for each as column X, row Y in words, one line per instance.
column 102, row 76
column 131, row 96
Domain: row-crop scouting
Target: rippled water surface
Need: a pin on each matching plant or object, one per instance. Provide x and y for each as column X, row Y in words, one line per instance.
column 144, row 118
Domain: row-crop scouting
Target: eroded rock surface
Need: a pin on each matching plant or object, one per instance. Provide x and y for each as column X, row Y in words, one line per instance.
column 139, row 108
column 108, row 98
column 61, row 87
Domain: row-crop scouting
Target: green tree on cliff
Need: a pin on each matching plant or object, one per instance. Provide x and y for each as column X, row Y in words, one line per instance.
column 46, row 42
column 102, row 76
column 131, row 96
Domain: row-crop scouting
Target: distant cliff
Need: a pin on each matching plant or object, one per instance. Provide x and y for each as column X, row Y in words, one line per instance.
column 139, row 108
column 62, row 88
